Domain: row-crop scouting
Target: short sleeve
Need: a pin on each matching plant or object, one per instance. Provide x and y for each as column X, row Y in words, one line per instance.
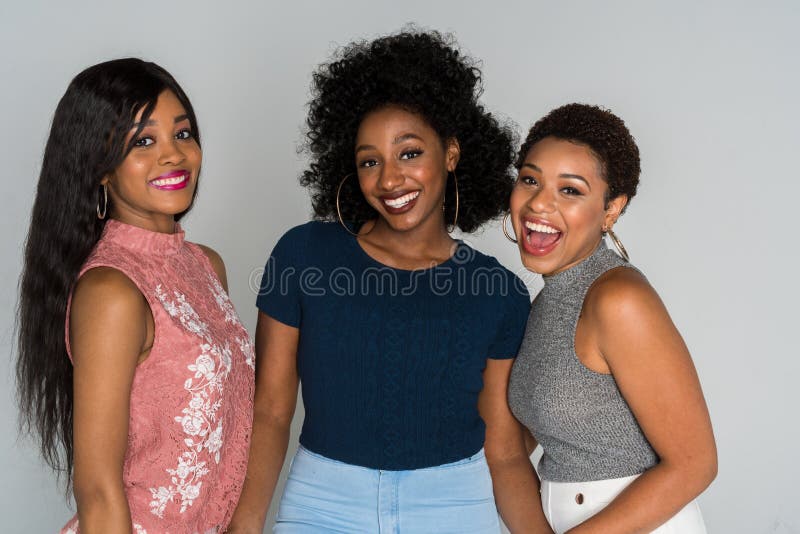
column 516, row 308
column 279, row 294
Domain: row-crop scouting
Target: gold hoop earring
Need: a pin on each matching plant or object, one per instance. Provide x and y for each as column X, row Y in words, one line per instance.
column 339, row 211
column 618, row 244
column 102, row 214
column 451, row 228
column 508, row 236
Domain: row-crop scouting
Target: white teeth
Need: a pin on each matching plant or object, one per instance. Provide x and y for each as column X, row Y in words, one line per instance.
column 399, row 202
column 534, row 227
column 170, row 181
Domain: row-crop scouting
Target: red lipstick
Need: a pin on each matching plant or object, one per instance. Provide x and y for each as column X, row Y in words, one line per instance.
column 171, row 181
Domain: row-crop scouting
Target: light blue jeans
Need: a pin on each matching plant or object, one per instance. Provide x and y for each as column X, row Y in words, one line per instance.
column 324, row 495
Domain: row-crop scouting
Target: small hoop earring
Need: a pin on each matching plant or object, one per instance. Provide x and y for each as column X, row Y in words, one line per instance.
column 101, row 214
column 508, row 236
column 451, row 228
column 339, row 210
column 618, row 245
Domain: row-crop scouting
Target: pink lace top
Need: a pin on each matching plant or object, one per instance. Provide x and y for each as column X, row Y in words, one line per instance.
column 192, row 398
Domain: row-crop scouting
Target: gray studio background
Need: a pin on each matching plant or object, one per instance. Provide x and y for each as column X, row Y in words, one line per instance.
column 709, row 90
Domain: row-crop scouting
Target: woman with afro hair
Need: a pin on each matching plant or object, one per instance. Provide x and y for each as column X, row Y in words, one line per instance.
column 400, row 336
column 603, row 379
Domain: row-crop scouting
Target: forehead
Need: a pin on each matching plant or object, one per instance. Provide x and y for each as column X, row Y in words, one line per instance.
column 392, row 121
column 167, row 108
column 559, row 156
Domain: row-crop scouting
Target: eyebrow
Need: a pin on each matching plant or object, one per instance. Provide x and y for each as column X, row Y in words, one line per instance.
column 395, row 141
column 562, row 175
column 151, row 122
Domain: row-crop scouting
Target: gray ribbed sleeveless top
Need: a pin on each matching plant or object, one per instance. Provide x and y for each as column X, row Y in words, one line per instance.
column 579, row 416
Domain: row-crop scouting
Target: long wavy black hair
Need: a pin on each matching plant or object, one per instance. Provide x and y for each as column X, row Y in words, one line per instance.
column 422, row 72
column 87, row 141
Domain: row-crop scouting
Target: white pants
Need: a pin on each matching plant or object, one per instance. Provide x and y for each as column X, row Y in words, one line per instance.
column 567, row 504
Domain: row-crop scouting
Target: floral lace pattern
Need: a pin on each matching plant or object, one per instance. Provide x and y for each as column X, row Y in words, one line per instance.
column 191, row 399
column 199, row 418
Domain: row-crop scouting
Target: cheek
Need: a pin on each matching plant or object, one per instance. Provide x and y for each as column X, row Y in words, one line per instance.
column 195, row 155
column 517, row 200
column 132, row 169
column 584, row 217
column 364, row 180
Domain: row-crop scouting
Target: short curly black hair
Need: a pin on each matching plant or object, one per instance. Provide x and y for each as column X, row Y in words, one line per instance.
column 603, row 133
column 422, row 72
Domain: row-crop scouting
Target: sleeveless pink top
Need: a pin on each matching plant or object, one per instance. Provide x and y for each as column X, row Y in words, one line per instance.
column 191, row 403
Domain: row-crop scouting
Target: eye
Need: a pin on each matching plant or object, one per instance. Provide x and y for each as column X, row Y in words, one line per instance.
column 144, row 141
column 569, row 190
column 367, row 163
column 411, row 154
column 184, row 134
column 527, row 180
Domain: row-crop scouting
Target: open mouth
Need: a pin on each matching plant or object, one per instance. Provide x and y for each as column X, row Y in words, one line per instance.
column 171, row 181
column 400, row 204
column 539, row 239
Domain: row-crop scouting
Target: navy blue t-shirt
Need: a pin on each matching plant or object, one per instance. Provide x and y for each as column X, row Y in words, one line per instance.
column 390, row 361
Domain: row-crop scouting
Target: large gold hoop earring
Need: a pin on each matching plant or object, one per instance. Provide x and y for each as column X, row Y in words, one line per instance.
column 451, row 228
column 101, row 214
column 508, row 236
column 339, row 210
column 618, row 244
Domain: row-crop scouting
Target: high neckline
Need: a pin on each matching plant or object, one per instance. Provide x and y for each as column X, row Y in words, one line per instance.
column 569, row 276
column 143, row 240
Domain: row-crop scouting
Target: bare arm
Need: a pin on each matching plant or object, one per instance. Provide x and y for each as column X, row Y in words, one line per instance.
column 655, row 374
column 516, row 486
column 275, row 401
column 108, row 337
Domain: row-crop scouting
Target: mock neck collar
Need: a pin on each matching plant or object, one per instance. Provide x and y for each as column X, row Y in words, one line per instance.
column 578, row 271
column 143, row 240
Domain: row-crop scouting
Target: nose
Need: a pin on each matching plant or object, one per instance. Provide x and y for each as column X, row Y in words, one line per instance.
column 171, row 153
column 541, row 201
column 391, row 176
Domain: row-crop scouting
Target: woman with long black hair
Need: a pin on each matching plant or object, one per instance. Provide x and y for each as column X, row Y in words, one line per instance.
column 133, row 367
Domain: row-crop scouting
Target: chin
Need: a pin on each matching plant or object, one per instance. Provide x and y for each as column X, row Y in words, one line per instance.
column 539, row 265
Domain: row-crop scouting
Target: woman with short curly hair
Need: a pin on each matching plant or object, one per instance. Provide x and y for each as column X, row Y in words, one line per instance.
column 603, row 379
column 401, row 337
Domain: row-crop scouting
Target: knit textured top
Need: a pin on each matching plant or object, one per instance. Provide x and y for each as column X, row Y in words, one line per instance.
column 391, row 360
column 191, row 405
column 585, row 427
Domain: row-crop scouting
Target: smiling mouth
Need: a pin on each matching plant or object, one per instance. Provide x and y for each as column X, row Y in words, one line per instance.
column 401, row 201
column 171, row 181
column 540, row 239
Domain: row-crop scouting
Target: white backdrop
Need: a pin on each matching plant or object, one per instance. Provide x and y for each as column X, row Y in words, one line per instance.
column 709, row 90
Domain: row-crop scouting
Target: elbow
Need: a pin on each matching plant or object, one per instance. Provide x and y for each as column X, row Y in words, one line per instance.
column 98, row 495
column 696, row 473
column 706, row 467
column 500, row 457
column 711, row 469
column 270, row 417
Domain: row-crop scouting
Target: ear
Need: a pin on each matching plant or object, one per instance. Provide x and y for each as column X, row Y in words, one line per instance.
column 452, row 154
column 105, row 180
column 614, row 209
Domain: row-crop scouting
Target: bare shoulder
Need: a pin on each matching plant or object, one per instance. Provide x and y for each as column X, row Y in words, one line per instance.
column 217, row 263
column 108, row 289
column 622, row 292
column 108, row 315
column 622, row 298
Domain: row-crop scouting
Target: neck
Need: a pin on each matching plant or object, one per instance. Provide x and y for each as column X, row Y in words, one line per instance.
column 425, row 243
